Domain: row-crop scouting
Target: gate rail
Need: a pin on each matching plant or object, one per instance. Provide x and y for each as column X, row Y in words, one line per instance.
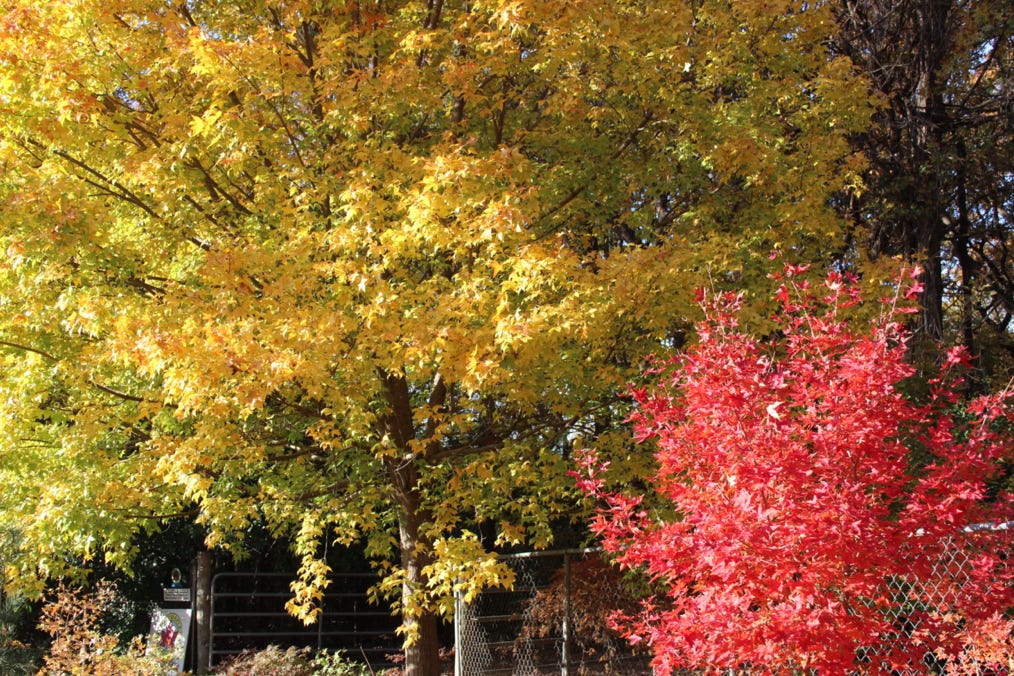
column 248, row 612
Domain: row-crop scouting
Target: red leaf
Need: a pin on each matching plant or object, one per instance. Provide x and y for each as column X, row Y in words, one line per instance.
column 792, row 514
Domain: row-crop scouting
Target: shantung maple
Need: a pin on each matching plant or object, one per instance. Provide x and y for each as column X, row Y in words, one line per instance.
column 800, row 493
column 360, row 270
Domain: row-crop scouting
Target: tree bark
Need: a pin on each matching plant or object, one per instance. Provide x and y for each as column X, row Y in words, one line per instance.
column 422, row 647
column 931, row 316
column 422, row 653
column 966, row 263
column 202, row 611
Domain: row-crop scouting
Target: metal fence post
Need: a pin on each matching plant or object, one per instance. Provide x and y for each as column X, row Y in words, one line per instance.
column 458, row 643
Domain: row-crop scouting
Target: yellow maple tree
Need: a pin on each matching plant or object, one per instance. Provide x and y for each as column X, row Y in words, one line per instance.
column 364, row 270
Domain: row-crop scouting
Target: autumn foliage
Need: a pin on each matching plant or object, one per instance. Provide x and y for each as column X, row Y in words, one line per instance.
column 582, row 597
column 73, row 617
column 359, row 272
column 803, row 499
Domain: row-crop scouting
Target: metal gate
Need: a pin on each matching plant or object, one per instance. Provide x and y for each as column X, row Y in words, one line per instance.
column 248, row 612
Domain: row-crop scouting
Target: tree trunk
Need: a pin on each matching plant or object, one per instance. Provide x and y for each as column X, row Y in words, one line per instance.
column 932, row 117
column 932, row 298
column 903, row 46
column 422, row 655
column 202, row 611
column 966, row 263
column 422, row 647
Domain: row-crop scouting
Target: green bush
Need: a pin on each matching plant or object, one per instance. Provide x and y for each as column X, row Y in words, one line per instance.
column 17, row 658
column 338, row 664
column 17, row 655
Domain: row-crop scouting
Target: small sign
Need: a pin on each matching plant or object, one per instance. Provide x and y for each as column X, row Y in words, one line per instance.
column 176, row 594
column 170, row 628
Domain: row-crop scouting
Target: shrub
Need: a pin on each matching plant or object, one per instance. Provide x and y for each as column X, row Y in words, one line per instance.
column 338, row 664
column 17, row 655
column 800, row 486
column 270, row 661
column 595, row 591
column 73, row 618
column 275, row 661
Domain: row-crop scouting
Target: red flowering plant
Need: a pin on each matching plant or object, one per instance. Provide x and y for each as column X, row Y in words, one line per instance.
column 811, row 511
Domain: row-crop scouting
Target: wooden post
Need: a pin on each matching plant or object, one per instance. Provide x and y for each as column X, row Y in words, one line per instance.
column 202, row 612
column 564, row 652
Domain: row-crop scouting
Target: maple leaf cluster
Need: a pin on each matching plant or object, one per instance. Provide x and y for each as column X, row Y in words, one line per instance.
column 806, row 493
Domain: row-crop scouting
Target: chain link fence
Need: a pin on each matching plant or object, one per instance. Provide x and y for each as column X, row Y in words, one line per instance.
column 922, row 612
column 553, row 620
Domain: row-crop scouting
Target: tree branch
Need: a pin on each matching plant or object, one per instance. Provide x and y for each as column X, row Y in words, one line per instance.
column 121, row 191
column 121, row 395
column 185, row 514
column 438, row 396
column 215, row 188
column 26, row 348
column 620, row 149
column 398, row 422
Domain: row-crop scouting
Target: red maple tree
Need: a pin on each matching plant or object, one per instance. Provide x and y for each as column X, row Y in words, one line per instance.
column 807, row 508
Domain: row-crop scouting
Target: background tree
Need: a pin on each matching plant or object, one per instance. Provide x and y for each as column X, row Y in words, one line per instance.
column 939, row 190
column 800, row 493
column 360, row 270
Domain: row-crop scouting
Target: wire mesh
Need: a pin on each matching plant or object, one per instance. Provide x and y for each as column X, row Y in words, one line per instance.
column 920, row 611
column 541, row 626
